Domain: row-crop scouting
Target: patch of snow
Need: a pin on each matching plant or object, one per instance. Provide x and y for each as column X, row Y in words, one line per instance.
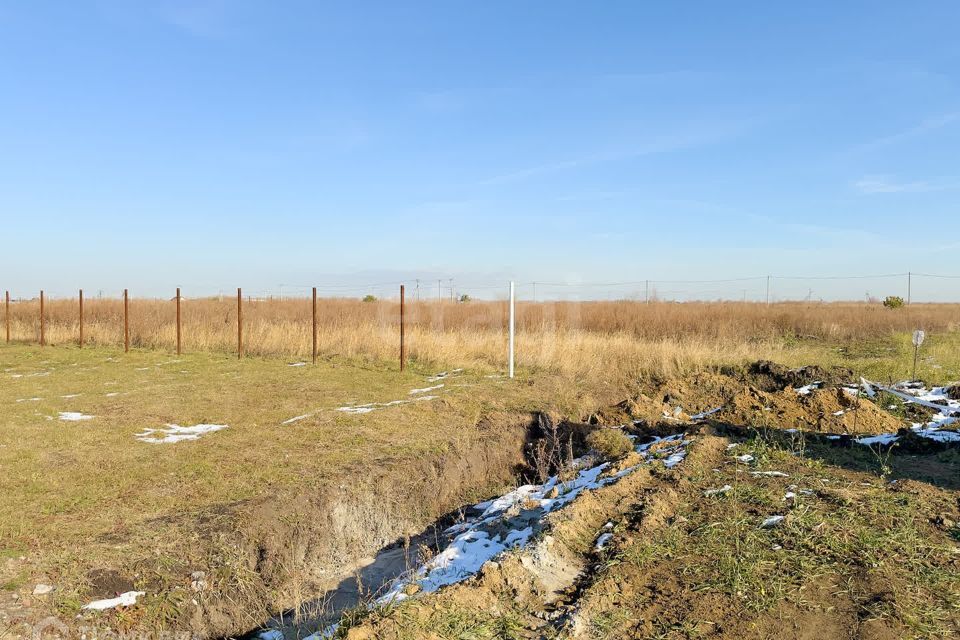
column 744, row 459
column 29, row 399
column 297, row 364
column 296, row 418
column 445, row 374
column 175, row 433
column 426, row 389
column 270, row 634
column 883, row 439
column 806, row 389
column 602, row 541
column 771, row 522
column 127, row 599
column 74, row 416
column 714, row 492
column 373, row 406
column 704, row 414
column 70, row 395
column 769, row 474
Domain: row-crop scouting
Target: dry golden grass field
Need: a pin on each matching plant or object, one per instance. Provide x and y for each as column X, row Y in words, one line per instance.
column 620, row 338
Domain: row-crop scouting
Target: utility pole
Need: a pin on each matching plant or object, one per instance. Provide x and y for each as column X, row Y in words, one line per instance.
column 909, row 286
column 451, row 290
column 439, row 290
column 768, row 289
column 418, row 289
column 534, row 291
column 646, row 292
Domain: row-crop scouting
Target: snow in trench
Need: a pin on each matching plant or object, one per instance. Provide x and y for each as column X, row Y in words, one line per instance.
column 175, row 433
column 514, row 518
column 508, row 522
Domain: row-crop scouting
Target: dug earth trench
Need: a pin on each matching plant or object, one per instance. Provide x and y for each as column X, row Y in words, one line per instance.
column 316, row 556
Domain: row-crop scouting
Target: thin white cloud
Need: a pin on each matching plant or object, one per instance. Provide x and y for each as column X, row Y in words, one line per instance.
column 925, row 126
column 871, row 185
column 664, row 144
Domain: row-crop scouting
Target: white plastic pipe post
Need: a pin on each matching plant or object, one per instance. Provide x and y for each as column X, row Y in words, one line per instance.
column 510, row 348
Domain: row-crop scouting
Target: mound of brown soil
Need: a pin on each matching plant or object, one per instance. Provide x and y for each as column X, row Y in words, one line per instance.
column 825, row 410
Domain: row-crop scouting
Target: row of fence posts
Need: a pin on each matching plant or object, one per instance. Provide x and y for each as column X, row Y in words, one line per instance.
column 126, row 324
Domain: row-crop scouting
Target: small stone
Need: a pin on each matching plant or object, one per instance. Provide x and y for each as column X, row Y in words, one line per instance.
column 411, row 588
column 198, row 575
column 42, row 589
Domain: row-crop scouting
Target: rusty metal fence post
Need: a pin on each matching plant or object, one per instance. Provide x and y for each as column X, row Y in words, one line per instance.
column 81, row 318
column 178, row 320
column 43, row 339
column 314, row 325
column 126, row 322
column 239, row 323
column 403, row 326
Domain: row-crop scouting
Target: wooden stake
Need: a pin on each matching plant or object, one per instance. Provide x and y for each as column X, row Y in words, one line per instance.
column 81, row 318
column 126, row 322
column 7, row 315
column 403, row 345
column 178, row 320
column 43, row 340
column 314, row 325
column 239, row 324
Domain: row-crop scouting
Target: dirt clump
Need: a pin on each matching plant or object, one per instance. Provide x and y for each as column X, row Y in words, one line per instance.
column 770, row 376
column 107, row 583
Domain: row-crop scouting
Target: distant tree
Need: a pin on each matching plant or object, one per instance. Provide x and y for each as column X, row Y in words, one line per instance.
column 464, row 298
column 369, row 298
column 893, row 302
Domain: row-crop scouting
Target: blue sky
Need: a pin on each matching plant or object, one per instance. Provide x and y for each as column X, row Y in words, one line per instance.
column 214, row 144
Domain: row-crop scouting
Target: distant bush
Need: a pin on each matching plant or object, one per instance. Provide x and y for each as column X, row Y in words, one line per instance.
column 610, row 443
column 464, row 298
column 369, row 298
column 893, row 302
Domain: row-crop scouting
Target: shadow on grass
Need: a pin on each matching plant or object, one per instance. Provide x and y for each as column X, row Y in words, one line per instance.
column 912, row 457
